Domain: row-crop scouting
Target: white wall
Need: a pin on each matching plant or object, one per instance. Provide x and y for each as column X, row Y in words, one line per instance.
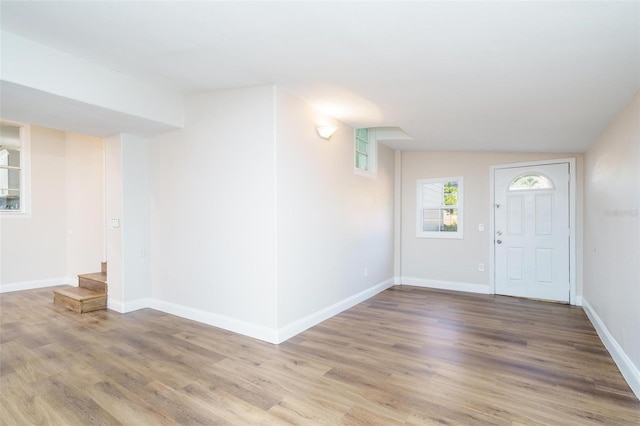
column 135, row 220
column 258, row 225
column 332, row 223
column 113, row 210
column 612, row 239
column 64, row 234
column 85, row 203
column 212, row 212
column 127, row 197
column 455, row 261
column 34, row 248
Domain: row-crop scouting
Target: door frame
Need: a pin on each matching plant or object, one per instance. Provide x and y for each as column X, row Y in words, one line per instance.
column 572, row 220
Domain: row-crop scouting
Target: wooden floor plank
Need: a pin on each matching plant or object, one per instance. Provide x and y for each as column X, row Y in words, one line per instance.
column 406, row 356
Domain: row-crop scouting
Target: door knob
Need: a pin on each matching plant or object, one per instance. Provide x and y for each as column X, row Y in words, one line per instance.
column 499, row 241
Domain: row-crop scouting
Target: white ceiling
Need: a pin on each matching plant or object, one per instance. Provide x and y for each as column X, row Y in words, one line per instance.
column 492, row 76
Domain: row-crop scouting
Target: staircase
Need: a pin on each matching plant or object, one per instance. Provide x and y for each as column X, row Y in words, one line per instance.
column 90, row 295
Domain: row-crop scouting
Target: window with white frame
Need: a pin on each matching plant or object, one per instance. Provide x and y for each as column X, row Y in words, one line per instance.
column 439, row 208
column 14, row 169
column 365, row 151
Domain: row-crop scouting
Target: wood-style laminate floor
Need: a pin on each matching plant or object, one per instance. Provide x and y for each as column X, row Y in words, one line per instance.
column 405, row 356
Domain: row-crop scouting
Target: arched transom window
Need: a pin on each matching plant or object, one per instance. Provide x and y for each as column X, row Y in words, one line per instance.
column 531, row 181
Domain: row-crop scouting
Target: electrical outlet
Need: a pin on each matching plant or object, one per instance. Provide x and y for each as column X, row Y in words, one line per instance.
column 481, row 227
column 481, row 267
column 365, row 273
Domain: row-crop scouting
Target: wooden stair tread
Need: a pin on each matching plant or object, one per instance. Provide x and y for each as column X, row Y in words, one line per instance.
column 79, row 293
column 95, row 276
column 90, row 295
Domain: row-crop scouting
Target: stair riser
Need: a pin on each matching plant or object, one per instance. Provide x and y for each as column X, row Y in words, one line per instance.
column 98, row 286
column 78, row 305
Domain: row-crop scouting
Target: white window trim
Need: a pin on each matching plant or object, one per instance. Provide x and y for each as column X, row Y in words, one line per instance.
column 372, row 171
column 25, row 173
column 419, row 207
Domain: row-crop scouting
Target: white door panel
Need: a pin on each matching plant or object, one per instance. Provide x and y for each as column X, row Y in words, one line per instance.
column 532, row 231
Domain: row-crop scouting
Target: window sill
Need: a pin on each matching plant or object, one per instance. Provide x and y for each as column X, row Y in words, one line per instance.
column 441, row 235
column 15, row 214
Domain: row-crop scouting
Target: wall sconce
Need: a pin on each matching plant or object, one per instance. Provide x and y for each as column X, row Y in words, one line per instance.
column 326, row 131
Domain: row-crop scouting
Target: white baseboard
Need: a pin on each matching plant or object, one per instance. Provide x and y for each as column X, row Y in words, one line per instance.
column 232, row 324
column 446, row 285
column 115, row 305
column 302, row 324
column 629, row 371
column 270, row 335
column 30, row 285
column 136, row 305
column 124, row 307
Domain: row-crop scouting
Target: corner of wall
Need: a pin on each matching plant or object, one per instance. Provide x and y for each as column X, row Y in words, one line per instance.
column 629, row 371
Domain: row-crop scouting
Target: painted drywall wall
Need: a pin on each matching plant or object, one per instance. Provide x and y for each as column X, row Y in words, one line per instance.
column 332, row 223
column 84, row 168
column 212, row 212
column 612, row 232
column 258, row 256
column 455, row 261
column 135, row 220
column 63, row 236
column 34, row 248
column 113, row 209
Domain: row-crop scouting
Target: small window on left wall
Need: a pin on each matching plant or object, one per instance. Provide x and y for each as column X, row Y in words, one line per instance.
column 14, row 169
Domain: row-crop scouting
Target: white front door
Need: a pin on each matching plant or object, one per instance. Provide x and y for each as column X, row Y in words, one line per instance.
column 532, row 234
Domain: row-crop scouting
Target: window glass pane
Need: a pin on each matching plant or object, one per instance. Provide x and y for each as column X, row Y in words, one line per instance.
column 363, row 134
column 14, row 179
column 530, row 182
column 431, row 220
column 9, row 167
column 4, row 182
column 4, row 173
column 13, row 157
column 361, row 146
column 432, row 194
column 10, row 200
column 439, row 210
column 440, row 220
column 365, row 148
column 361, row 161
column 449, row 220
column 9, row 157
column 9, row 136
column 451, row 193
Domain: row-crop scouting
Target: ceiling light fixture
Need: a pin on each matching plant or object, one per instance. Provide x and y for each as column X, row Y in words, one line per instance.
column 326, row 131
